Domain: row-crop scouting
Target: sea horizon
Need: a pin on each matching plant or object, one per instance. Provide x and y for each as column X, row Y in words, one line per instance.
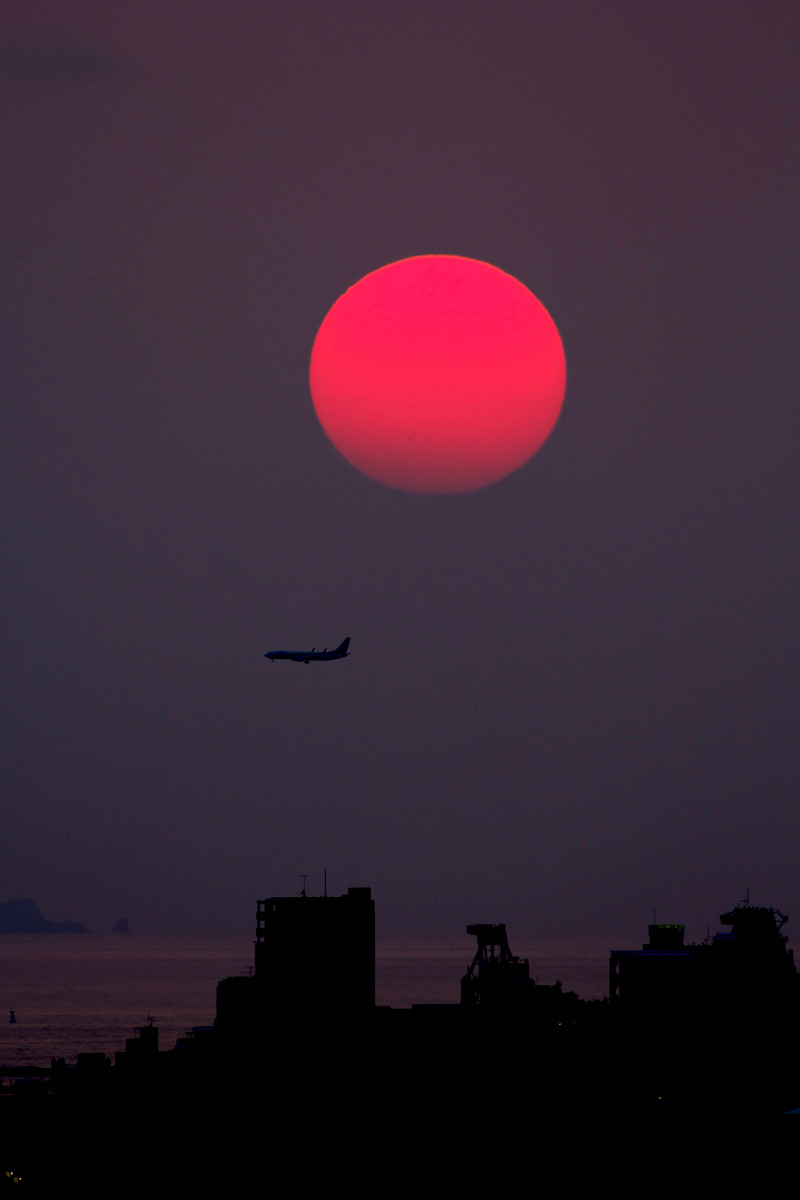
column 78, row 993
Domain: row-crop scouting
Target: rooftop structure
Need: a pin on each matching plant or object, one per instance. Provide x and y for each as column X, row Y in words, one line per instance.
column 739, row 974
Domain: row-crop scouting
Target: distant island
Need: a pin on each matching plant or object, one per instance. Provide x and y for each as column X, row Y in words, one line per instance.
column 23, row 916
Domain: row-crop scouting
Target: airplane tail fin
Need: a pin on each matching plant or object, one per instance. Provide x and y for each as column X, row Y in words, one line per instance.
column 343, row 648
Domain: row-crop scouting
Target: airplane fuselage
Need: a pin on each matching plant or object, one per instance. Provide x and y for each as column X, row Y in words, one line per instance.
column 312, row 655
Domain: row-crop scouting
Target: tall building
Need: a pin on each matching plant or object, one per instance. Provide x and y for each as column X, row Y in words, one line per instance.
column 316, row 952
column 315, row 957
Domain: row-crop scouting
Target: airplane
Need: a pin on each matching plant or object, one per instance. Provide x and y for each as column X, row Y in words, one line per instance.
column 312, row 655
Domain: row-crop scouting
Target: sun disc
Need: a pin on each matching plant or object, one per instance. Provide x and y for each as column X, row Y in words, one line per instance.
column 438, row 374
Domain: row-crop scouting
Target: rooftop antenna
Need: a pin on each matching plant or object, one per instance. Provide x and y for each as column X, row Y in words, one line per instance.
column 325, row 884
column 303, row 889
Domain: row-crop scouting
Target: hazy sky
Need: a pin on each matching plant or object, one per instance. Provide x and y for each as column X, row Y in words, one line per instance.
column 571, row 696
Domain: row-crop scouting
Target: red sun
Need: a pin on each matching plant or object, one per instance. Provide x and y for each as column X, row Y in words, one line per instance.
column 438, row 374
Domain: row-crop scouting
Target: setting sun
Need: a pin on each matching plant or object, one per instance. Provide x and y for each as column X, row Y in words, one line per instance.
column 438, row 374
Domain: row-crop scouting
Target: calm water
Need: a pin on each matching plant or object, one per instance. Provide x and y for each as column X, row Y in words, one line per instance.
column 81, row 992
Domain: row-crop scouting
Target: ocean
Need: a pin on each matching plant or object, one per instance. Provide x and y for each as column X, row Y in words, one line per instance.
column 73, row 993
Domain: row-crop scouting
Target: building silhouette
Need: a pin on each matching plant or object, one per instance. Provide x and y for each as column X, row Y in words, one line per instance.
column 316, row 952
column 687, row 1029
column 739, row 978
column 314, row 956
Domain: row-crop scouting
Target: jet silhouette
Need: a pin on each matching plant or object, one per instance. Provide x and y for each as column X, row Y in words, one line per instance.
column 312, row 655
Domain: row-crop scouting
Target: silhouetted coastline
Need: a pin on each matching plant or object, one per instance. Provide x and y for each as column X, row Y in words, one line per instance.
column 23, row 916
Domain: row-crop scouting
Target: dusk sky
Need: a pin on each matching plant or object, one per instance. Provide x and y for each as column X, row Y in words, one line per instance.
column 571, row 696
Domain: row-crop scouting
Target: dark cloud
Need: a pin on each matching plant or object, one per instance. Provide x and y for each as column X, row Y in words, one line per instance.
column 33, row 56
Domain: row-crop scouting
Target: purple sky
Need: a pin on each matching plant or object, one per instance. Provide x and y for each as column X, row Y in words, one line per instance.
column 571, row 696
